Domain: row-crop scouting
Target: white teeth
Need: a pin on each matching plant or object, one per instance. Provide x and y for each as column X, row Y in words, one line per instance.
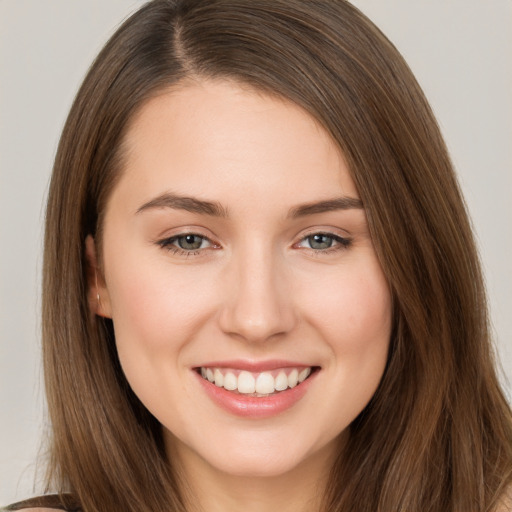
column 265, row 384
column 304, row 374
column 246, row 383
column 281, row 382
column 293, row 378
column 219, row 378
column 257, row 384
column 230, row 382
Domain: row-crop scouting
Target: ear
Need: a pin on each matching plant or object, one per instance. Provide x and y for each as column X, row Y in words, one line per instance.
column 97, row 293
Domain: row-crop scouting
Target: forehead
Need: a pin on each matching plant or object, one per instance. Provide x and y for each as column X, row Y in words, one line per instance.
column 222, row 139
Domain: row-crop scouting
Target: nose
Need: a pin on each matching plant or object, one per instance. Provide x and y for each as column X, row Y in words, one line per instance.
column 257, row 303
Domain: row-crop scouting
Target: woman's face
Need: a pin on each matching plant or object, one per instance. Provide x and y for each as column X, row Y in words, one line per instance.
column 236, row 250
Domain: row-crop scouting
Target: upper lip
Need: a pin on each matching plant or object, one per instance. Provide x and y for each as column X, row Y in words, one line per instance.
column 255, row 366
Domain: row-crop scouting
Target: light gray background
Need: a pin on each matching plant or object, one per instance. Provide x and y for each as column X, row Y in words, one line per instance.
column 460, row 50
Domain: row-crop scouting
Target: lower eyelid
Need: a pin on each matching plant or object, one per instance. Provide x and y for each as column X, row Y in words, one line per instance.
column 181, row 252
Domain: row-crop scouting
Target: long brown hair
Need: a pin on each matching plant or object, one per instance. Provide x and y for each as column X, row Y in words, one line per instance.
column 437, row 435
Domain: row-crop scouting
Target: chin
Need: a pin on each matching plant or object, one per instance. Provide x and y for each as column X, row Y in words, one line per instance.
column 271, row 466
column 263, row 455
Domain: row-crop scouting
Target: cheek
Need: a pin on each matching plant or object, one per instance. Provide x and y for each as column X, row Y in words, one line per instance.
column 156, row 311
column 353, row 308
column 156, row 306
column 354, row 319
column 366, row 304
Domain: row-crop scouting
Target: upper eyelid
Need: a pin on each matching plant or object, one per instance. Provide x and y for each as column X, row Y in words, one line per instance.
column 172, row 238
column 327, row 229
column 334, row 232
column 184, row 231
column 326, row 233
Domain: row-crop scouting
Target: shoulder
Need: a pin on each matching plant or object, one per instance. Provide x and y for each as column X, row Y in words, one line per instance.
column 49, row 503
column 505, row 504
column 34, row 509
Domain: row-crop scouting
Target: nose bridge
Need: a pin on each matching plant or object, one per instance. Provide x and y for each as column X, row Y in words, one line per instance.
column 257, row 305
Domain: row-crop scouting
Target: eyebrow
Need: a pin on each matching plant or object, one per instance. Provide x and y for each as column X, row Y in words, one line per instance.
column 190, row 204
column 330, row 205
column 215, row 209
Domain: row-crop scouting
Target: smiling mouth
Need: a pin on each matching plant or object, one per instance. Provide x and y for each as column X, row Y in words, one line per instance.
column 256, row 384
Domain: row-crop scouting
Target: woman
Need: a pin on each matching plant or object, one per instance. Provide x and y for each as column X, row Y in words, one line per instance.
column 261, row 287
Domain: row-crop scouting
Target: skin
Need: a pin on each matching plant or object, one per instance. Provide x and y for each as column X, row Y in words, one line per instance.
column 257, row 289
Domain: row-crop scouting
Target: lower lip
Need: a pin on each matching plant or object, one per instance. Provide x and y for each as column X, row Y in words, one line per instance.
column 255, row 407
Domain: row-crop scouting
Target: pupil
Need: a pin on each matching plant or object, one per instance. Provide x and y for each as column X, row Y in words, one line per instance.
column 320, row 241
column 190, row 242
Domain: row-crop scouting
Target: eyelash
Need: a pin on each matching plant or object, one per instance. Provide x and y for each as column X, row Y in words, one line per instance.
column 340, row 243
column 168, row 244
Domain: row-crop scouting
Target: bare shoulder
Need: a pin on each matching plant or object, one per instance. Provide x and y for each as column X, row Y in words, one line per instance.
column 38, row 509
column 505, row 504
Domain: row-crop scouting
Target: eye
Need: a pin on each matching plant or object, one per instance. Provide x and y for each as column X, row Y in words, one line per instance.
column 324, row 242
column 187, row 243
column 191, row 242
column 320, row 241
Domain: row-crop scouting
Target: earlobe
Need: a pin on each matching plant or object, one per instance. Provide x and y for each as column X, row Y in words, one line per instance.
column 97, row 293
